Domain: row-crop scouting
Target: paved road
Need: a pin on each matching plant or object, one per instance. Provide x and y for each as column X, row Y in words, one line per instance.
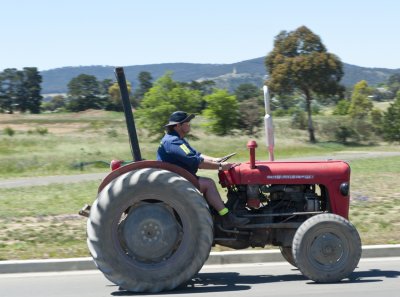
column 374, row 277
column 46, row 180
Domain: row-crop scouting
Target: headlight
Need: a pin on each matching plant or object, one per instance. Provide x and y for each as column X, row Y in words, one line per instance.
column 345, row 189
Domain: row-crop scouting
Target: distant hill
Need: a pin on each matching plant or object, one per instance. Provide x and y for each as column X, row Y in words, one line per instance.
column 227, row 76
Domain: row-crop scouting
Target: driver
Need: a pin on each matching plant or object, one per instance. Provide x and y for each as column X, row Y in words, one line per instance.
column 176, row 150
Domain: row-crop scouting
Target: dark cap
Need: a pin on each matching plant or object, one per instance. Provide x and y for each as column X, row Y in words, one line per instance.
column 179, row 117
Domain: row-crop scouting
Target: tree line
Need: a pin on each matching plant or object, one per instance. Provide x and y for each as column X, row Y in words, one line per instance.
column 303, row 76
column 20, row 90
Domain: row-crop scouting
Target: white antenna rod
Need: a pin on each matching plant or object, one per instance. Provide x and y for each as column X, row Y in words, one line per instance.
column 269, row 129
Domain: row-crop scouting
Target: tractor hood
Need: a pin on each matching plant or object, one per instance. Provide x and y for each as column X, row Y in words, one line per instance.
column 321, row 172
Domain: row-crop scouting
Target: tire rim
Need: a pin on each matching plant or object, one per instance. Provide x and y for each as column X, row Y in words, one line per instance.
column 150, row 233
column 328, row 250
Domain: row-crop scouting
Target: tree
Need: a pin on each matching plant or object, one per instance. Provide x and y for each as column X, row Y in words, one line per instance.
column 359, row 112
column 115, row 101
column 300, row 62
column 339, row 129
column 205, row 87
column 105, row 85
column 165, row 97
column 394, row 83
column 377, row 120
column 391, row 121
column 249, row 97
column 9, row 88
column 299, row 119
column 84, row 93
column 145, row 85
column 360, row 105
column 84, row 85
column 344, row 132
column 342, row 107
column 250, row 117
column 222, row 111
column 31, row 80
column 284, row 104
column 20, row 90
column 56, row 103
column 21, row 95
column 247, row 91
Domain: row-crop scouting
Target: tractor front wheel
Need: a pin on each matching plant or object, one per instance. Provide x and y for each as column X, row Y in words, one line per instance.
column 326, row 248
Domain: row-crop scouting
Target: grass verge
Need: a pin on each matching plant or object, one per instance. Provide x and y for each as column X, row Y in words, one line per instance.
column 42, row 222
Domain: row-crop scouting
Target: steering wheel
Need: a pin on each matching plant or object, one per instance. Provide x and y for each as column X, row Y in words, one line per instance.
column 225, row 158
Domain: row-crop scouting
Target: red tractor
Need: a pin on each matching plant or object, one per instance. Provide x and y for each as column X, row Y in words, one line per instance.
column 150, row 229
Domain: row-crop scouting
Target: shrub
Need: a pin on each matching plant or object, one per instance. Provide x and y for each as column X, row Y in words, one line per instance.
column 339, row 129
column 9, row 131
column 363, row 128
column 299, row 119
column 342, row 107
column 112, row 133
column 391, row 121
column 222, row 111
column 343, row 133
column 250, row 118
column 41, row 131
column 279, row 113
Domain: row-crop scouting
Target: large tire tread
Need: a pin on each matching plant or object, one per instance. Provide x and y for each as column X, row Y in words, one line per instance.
column 135, row 184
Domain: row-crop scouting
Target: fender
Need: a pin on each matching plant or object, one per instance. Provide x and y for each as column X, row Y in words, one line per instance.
column 149, row 164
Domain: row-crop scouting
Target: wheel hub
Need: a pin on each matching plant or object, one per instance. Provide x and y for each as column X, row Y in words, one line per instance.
column 327, row 249
column 150, row 233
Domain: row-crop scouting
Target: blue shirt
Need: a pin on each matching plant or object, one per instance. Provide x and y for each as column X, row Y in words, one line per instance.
column 178, row 151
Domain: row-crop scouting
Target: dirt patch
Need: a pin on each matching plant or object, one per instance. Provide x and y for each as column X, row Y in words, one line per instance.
column 60, row 236
column 22, row 223
column 58, row 124
column 58, row 129
column 89, row 113
column 35, row 228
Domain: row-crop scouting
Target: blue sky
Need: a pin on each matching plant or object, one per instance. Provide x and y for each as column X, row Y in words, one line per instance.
column 50, row 34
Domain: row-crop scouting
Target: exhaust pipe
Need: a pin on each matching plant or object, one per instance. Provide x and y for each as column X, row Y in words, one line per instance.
column 269, row 129
column 130, row 122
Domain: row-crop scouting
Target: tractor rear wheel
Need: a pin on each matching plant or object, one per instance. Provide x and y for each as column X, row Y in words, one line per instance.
column 149, row 230
column 326, row 248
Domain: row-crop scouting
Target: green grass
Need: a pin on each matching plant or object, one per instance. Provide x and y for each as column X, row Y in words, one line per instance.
column 377, row 222
column 376, row 179
column 52, row 200
column 375, row 199
column 42, row 221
